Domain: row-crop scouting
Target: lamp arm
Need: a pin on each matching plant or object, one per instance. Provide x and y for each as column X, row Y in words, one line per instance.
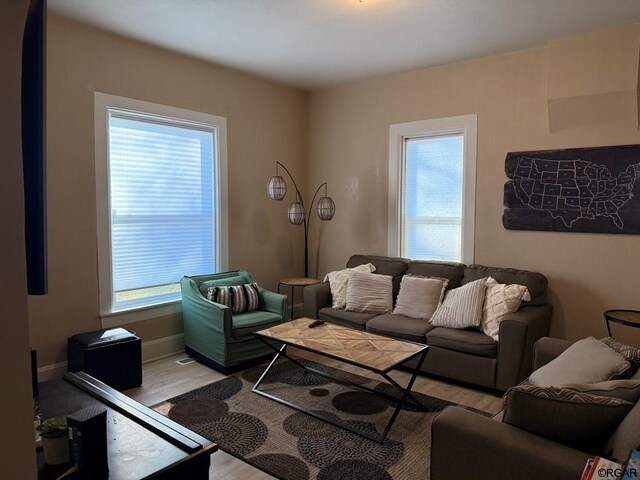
column 308, row 215
column 298, row 194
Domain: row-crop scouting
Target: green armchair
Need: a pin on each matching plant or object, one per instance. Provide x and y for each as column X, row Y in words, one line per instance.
column 216, row 337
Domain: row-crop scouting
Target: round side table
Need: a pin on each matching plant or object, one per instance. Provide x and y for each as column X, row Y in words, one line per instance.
column 628, row 318
column 294, row 282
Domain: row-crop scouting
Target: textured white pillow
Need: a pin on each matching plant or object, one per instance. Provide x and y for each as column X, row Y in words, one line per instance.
column 586, row 361
column 419, row 297
column 499, row 301
column 462, row 306
column 338, row 283
column 369, row 293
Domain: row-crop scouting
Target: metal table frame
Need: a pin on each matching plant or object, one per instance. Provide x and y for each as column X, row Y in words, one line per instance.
column 406, row 391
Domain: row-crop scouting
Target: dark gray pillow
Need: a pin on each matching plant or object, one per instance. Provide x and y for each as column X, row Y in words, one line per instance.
column 628, row 390
column 586, row 361
column 576, row 419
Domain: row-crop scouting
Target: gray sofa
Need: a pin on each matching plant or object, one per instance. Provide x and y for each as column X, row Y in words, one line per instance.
column 497, row 451
column 465, row 355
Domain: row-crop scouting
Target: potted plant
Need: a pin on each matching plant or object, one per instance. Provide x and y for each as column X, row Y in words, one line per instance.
column 55, row 443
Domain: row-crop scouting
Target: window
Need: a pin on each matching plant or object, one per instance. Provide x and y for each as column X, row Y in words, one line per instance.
column 432, row 189
column 161, row 200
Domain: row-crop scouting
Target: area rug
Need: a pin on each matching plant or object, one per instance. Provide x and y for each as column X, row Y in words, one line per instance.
column 292, row 445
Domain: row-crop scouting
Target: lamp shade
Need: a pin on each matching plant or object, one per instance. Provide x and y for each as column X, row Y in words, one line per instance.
column 296, row 213
column 326, row 208
column 277, row 188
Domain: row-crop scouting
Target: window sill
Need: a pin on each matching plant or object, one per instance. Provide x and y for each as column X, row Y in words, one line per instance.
column 124, row 317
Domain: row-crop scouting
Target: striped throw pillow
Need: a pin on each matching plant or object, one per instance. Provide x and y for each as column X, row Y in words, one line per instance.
column 239, row 298
column 461, row 307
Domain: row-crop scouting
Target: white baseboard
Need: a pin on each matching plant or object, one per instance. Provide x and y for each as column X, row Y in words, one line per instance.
column 162, row 347
column 151, row 350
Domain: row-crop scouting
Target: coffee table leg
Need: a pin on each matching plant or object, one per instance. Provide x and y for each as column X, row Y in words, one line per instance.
column 405, row 395
column 281, row 351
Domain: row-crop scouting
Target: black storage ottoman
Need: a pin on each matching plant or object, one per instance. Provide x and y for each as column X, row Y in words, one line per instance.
column 113, row 356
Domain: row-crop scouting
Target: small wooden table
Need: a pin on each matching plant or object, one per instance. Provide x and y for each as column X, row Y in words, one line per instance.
column 294, row 282
column 628, row 318
column 375, row 353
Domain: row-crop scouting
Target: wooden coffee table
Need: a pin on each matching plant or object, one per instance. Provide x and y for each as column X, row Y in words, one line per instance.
column 375, row 353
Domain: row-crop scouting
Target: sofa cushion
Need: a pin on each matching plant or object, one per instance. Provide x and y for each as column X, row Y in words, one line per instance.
column 355, row 320
column 461, row 307
column 392, row 266
column 626, row 437
column 452, row 271
column 244, row 324
column 534, row 281
column 399, row 326
column 576, row 419
column 631, row 354
column 369, row 293
column 586, row 361
column 469, row 341
column 419, row 297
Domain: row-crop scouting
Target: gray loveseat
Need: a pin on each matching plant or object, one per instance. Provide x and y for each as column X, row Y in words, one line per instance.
column 465, row 355
column 497, row 451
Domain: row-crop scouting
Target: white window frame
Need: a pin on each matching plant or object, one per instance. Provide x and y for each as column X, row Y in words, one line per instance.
column 467, row 125
column 102, row 103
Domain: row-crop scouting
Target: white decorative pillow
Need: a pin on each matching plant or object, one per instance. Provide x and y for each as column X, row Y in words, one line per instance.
column 586, row 361
column 499, row 301
column 239, row 298
column 369, row 293
column 462, row 306
column 419, row 297
column 338, row 283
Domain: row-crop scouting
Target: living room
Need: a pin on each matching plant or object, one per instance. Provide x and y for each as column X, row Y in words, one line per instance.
column 572, row 90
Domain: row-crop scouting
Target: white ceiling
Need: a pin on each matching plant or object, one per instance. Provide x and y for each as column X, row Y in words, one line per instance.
column 317, row 43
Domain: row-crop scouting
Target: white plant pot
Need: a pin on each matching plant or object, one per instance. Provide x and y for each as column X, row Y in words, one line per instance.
column 56, row 450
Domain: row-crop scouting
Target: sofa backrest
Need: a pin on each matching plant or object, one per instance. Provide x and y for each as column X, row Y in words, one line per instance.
column 452, row 271
column 225, row 279
column 394, row 266
column 534, row 281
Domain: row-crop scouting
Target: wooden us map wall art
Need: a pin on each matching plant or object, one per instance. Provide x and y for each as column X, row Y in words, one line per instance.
column 594, row 190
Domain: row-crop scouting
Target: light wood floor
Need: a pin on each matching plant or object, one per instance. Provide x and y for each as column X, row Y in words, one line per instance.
column 165, row 378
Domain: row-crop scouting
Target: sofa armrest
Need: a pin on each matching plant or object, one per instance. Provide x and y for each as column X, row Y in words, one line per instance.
column 468, row 445
column 272, row 302
column 201, row 316
column 316, row 297
column 547, row 349
column 518, row 333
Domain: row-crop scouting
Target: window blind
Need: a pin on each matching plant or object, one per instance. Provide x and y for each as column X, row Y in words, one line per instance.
column 163, row 212
column 432, row 198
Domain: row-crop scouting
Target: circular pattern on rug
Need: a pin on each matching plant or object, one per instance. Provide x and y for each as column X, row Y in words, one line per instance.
column 303, row 425
column 292, row 374
column 252, row 375
column 238, row 433
column 318, row 392
column 282, row 466
column 198, row 410
column 359, row 403
column 432, row 404
column 221, row 389
column 353, row 470
column 322, row 451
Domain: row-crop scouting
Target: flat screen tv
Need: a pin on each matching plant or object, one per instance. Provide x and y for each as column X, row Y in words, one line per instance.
column 34, row 146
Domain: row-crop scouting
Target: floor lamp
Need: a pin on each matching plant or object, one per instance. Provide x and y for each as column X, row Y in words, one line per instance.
column 326, row 207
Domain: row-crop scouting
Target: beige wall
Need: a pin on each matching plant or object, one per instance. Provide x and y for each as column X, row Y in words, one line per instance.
column 266, row 122
column 17, row 455
column 348, row 142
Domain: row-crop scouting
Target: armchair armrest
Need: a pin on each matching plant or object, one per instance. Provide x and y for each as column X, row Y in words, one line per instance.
column 519, row 331
column 316, row 297
column 272, row 302
column 468, row 445
column 546, row 349
column 202, row 316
